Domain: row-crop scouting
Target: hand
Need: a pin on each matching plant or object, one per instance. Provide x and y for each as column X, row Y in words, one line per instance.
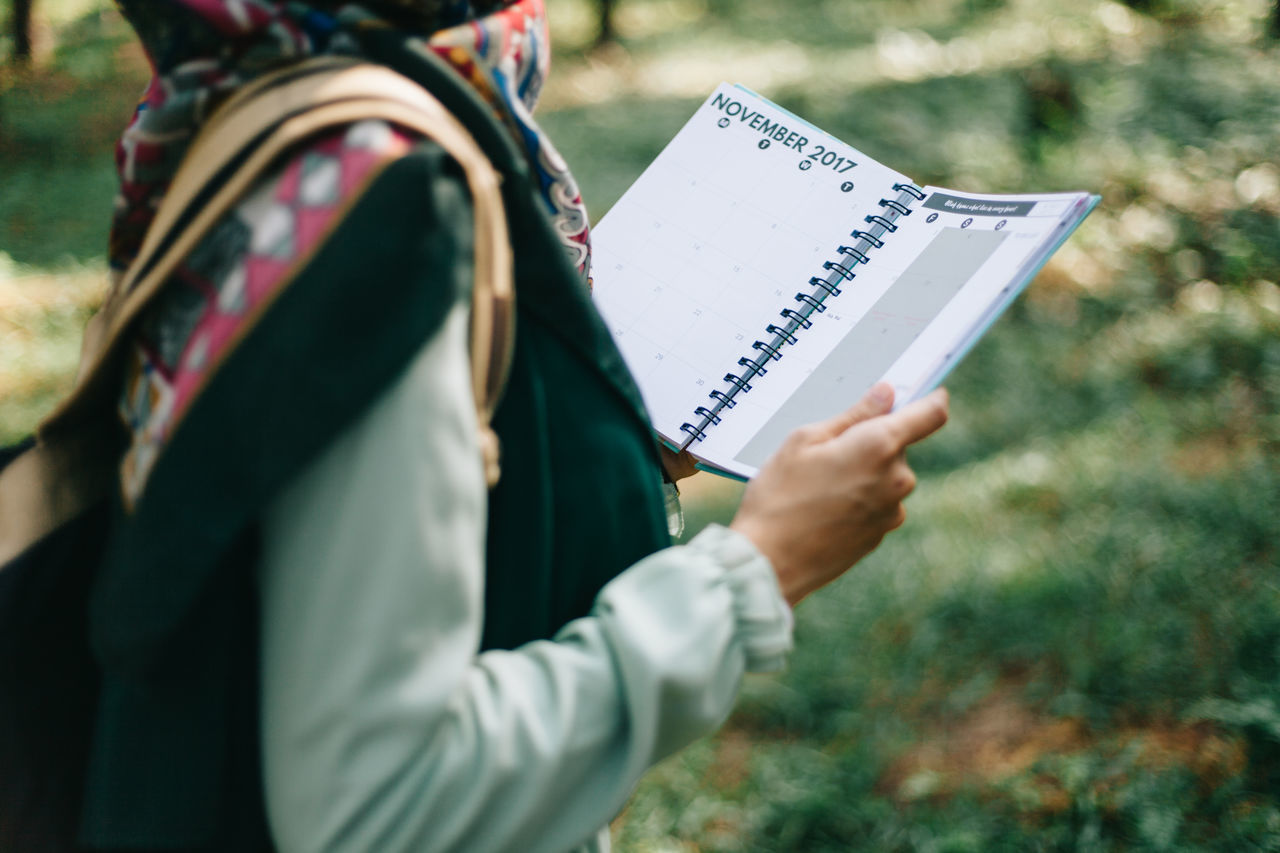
column 678, row 465
column 835, row 488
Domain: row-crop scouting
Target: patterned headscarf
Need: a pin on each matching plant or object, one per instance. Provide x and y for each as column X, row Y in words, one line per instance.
column 203, row 50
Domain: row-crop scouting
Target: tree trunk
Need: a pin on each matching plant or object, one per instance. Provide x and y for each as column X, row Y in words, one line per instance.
column 22, row 31
column 606, row 32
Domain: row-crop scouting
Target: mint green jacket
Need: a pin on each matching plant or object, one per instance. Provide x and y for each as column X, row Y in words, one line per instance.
column 386, row 728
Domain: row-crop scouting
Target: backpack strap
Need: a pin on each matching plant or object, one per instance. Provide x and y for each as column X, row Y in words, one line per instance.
column 73, row 462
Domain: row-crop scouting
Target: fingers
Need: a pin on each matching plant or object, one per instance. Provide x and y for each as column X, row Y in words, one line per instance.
column 901, row 480
column 920, row 419
column 877, row 401
column 887, row 437
column 678, row 465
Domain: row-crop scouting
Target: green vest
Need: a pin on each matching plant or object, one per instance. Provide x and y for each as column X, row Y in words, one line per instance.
column 173, row 615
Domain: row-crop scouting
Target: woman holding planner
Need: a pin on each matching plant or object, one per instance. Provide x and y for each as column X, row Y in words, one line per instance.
column 318, row 627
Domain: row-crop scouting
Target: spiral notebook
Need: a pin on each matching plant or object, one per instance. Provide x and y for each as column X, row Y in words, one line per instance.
column 762, row 274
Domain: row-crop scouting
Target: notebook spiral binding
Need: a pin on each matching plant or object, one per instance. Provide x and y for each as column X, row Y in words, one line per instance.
column 796, row 319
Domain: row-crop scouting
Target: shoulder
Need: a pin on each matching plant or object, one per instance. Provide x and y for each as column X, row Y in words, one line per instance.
column 367, row 197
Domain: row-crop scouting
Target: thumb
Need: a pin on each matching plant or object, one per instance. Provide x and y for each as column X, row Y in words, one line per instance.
column 877, row 401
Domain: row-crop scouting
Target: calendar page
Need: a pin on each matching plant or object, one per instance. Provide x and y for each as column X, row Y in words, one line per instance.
column 716, row 237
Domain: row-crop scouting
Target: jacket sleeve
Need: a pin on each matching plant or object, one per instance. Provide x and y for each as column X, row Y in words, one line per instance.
column 385, row 729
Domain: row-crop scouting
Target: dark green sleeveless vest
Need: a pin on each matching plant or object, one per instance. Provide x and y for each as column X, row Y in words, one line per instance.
column 175, row 762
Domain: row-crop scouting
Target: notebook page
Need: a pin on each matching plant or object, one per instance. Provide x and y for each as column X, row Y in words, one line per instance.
column 716, row 237
column 910, row 314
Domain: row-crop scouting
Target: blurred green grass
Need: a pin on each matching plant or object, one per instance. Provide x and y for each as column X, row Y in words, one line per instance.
column 1074, row 643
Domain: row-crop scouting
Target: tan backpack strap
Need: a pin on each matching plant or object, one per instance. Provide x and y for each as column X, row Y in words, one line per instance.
column 310, row 103
column 50, row 484
column 63, row 474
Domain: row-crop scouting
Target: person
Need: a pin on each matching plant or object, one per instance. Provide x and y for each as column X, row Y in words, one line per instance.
column 318, row 629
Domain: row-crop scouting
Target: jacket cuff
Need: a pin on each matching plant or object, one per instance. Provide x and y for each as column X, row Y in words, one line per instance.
column 764, row 619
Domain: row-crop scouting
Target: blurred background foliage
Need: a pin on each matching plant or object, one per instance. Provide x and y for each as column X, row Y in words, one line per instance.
column 1074, row 643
